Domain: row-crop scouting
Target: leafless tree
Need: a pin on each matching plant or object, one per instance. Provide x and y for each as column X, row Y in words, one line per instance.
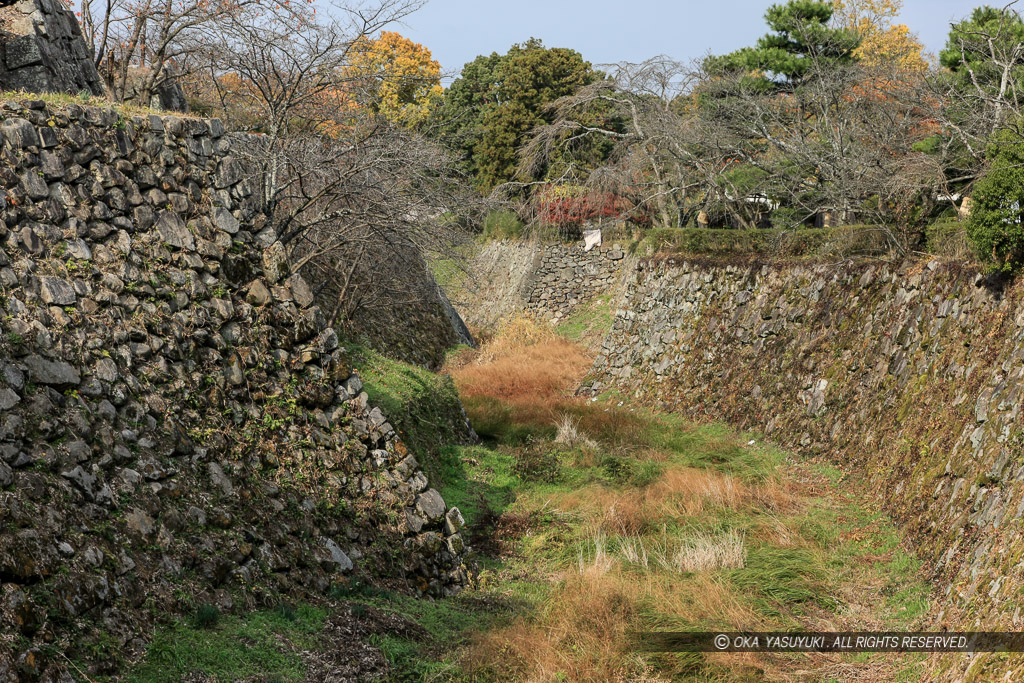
column 651, row 164
column 358, row 202
column 141, row 45
column 842, row 143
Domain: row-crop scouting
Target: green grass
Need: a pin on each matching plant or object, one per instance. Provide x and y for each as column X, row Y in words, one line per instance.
column 782, row 581
column 423, row 406
column 236, row 647
column 449, row 622
column 590, row 322
column 866, row 539
column 477, row 480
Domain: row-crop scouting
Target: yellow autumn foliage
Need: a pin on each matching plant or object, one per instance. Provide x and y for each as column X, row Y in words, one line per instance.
column 882, row 42
column 397, row 77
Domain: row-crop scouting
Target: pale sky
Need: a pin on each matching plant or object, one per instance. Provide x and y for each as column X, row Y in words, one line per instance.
column 603, row 31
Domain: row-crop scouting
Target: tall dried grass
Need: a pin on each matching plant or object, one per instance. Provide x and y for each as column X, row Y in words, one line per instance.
column 583, row 631
column 569, row 434
column 705, row 552
column 690, row 491
column 599, row 560
column 533, row 373
column 524, row 362
column 582, row 635
column 678, row 492
column 633, row 550
column 703, row 598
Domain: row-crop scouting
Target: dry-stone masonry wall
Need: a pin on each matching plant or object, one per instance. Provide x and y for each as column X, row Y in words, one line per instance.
column 568, row 276
column 550, row 281
column 911, row 373
column 497, row 284
column 178, row 425
column 42, row 49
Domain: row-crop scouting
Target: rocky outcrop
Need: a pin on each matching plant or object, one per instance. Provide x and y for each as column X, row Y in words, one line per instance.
column 497, row 284
column 912, row 374
column 42, row 50
column 410, row 319
column 178, row 424
column 462, row 333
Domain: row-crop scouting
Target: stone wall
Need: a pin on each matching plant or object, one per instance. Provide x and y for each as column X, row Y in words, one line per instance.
column 178, row 425
column 909, row 373
column 415, row 323
column 566, row 276
column 497, row 283
column 42, row 50
column 550, row 281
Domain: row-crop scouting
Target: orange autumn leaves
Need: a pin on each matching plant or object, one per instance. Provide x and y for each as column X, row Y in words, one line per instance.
column 390, row 78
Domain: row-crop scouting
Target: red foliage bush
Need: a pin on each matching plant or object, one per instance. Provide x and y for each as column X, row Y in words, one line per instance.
column 570, row 206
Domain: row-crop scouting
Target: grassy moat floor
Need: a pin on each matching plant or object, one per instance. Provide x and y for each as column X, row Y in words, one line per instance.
column 591, row 520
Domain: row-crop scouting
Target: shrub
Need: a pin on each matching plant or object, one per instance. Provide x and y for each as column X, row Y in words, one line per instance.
column 948, row 237
column 568, row 207
column 842, row 241
column 500, row 225
column 996, row 223
column 785, row 218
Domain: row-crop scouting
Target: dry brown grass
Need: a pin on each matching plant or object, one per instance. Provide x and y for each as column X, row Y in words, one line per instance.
column 678, row 492
column 690, row 491
column 582, row 635
column 525, row 361
column 705, row 552
column 775, row 531
column 532, row 373
column 583, row 631
column 706, row 599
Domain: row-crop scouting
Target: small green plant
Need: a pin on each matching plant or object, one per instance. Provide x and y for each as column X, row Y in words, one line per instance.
column 355, row 588
column 206, row 616
column 287, row 612
column 500, row 225
column 535, row 461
